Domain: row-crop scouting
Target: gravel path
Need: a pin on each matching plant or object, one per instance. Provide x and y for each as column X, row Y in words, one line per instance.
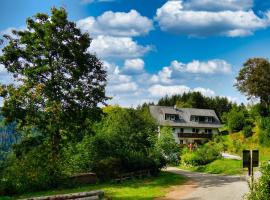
column 210, row 187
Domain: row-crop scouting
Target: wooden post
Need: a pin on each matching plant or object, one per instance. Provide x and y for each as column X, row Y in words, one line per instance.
column 251, row 170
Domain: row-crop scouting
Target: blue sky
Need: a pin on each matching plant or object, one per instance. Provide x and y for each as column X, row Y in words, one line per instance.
column 152, row 48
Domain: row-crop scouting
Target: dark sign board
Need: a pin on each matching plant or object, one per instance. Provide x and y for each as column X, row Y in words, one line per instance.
column 255, row 158
column 246, row 158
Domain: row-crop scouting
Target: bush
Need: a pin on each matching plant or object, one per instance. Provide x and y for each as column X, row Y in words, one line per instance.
column 31, row 172
column 261, row 187
column 247, row 131
column 167, row 146
column 264, row 134
column 107, row 168
column 201, row 156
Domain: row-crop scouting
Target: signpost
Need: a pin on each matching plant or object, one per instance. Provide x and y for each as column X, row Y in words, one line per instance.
column 250, row 160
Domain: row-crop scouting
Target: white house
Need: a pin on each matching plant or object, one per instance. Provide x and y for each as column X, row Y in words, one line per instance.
column 190, row 125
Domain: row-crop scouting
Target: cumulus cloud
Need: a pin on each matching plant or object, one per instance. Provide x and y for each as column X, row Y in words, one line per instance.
column 123, row 87
column 184, row 19
column 117, row 47
column 162, row 90
column 133, row 66
column 121, row 24
column 176, row 68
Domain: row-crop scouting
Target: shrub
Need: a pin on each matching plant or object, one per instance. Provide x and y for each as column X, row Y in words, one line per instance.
column 202, row 156
column 264, row 134
column 261, row 187
column 247, row 131
column 167, row 146
column 30, row 172
column 107, row 168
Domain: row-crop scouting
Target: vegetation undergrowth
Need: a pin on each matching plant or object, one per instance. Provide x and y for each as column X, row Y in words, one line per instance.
column 219, row 166
column 140, row 189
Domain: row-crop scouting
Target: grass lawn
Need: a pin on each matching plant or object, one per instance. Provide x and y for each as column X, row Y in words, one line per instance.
column 220, row 166
column 137, row 189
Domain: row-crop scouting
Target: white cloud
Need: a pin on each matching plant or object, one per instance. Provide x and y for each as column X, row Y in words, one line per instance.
column 162, row 90
column 117, row 47
column 209, row 67
column 123, row 87
column 217, row 5
column 175, row 18
column 117, row 24
column 176, row 68
column 133, row 66
column 205, row 91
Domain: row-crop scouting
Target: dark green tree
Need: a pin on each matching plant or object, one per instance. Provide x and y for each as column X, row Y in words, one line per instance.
column 253, row 79
column 58, row 84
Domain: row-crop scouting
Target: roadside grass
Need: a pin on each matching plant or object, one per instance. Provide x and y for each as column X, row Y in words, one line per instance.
column 236, row 142
column 221, row 166
column 136, row 189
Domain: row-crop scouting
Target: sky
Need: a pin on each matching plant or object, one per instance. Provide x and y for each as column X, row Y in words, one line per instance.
column 153, row 48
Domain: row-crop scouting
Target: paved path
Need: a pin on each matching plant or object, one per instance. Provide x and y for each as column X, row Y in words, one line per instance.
column 211, row 187
column 230, row 156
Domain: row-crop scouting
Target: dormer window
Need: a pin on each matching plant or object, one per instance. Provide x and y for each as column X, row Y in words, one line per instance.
column 202, row 119
column 171, row 117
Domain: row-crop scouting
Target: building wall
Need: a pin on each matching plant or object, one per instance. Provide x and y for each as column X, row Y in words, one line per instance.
column 189, row 130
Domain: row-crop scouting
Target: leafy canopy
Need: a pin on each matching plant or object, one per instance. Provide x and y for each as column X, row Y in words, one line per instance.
column 253, row 79
column 58, row 84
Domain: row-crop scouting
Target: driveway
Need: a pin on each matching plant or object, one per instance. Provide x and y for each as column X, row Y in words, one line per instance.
column 209, row 187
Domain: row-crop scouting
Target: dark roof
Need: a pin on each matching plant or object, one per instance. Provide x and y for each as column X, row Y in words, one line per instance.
column 158, row 112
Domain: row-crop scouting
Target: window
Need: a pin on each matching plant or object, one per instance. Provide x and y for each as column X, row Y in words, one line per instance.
column 172, row 117
column 179, row 134
column 181, row 141
column 182, row 130
column 193, row 130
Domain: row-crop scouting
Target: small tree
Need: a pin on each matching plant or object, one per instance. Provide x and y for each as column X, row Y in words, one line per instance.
column 253, row 79
column 235, row 119
column 167, row 146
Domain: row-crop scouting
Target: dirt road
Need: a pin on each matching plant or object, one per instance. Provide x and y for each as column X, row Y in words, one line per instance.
column 208, row 187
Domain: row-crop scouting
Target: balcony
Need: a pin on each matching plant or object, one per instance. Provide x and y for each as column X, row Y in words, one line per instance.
column 195, row 135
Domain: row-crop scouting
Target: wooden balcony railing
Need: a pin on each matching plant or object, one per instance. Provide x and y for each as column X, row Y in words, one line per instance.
column 195, row 135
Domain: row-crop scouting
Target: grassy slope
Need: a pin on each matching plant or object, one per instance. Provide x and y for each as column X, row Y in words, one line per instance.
column 138, row 189
column 236, row 142
column 220, row 166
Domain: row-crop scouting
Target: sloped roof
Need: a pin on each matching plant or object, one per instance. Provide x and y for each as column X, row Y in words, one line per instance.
column 158, row 112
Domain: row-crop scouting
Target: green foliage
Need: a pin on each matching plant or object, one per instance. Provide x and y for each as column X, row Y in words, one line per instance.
column 201, row 156
column 237, row 118
column 264, row 133
column 125, row 140
column 261, row 189
column 219, row 166
column 31, row 172
column 167, row 146
column 61, row 84
column 253, row 79
column 107, row 168
column 247, row 131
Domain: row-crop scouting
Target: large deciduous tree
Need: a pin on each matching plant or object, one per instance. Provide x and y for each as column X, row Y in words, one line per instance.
column 253, row 79
column 58, row 84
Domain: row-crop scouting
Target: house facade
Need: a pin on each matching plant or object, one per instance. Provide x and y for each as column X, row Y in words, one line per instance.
column 190, row 125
